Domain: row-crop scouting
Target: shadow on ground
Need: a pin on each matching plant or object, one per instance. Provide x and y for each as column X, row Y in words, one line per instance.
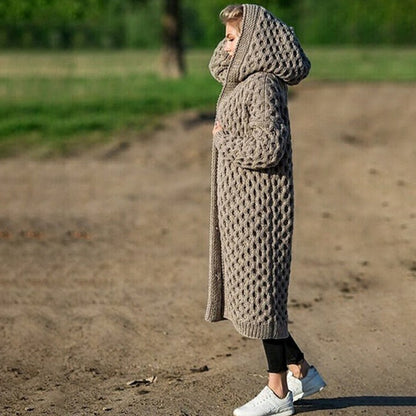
column 345, row 402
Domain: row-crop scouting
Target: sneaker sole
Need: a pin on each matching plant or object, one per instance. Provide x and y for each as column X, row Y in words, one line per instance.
column 308, row 393
column 288, row 412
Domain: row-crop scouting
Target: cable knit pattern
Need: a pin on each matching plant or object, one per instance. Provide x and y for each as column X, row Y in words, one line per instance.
column 251, row 218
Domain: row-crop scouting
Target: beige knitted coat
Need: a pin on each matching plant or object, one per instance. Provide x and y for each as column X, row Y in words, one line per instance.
column 251, row 218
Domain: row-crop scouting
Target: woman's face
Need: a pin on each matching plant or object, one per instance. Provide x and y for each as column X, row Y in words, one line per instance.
column 231, row 35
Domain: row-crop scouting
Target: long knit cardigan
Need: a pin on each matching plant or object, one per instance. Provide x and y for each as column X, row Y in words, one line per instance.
column 251, row 216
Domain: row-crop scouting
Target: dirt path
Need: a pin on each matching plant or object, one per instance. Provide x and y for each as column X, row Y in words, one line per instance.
column 104, row 265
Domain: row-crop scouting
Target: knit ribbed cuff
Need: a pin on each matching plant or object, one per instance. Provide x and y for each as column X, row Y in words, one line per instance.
column 218, row 139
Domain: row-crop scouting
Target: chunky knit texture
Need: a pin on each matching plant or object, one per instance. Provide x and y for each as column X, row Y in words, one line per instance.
column 251, row 219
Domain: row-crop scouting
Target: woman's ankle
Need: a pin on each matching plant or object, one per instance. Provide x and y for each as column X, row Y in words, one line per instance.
column 279, row 392
column 278, row 384
column 299, row 370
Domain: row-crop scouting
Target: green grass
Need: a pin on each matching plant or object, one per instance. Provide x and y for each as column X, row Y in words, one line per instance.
column 60, row 102
column 363, row 64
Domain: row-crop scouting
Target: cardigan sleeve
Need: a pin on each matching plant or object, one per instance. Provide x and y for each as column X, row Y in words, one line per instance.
column 265, row 139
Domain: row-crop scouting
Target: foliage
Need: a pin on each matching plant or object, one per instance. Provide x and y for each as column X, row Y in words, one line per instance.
column 136, row 23
column 78, row 23
column 357, row 21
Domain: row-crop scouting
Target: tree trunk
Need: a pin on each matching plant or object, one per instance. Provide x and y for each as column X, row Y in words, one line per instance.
column 172, row 62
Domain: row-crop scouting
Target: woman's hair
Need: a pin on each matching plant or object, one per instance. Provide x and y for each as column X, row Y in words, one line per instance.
column 232, row 14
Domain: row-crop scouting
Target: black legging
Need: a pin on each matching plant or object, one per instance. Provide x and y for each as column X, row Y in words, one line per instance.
column 280, row 353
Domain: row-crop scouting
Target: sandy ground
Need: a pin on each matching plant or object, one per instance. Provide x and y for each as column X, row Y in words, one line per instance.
column 104, row 259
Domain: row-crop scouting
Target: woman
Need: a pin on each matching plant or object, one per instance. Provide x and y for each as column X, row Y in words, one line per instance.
column 251, row 219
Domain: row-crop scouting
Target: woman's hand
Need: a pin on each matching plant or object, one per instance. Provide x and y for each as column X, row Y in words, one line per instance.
column 217, row 128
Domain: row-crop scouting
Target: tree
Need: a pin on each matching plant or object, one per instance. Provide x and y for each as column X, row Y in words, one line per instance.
column 172, row 59
column 172, row 62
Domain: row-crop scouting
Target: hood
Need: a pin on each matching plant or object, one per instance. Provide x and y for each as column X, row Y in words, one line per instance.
column 266, row 44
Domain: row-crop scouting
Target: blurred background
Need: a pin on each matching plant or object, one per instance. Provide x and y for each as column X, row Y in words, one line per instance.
column 73, row 72
column 106, row 113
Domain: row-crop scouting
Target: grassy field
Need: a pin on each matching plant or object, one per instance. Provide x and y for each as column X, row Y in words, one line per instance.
column 60, row 102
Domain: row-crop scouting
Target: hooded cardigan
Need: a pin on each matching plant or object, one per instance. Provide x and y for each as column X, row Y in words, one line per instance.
column 251, row 215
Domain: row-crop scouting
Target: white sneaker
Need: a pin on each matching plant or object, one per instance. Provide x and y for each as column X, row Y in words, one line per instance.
column 267, row 403
column 311, row 384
